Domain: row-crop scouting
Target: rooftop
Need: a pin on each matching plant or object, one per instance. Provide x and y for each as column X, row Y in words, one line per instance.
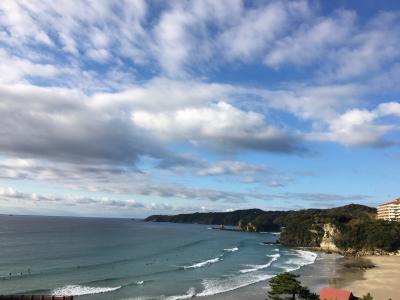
column 335, row 294
column 396, row 201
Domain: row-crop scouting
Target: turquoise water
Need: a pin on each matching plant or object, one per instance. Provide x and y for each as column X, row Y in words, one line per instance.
column 94, row 258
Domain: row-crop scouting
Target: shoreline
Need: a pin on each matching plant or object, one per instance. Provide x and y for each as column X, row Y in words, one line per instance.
column 315, row 276
column 381, row 281
column 334, row 270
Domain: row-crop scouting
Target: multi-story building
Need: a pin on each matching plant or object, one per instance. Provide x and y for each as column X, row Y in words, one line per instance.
column 390, row 211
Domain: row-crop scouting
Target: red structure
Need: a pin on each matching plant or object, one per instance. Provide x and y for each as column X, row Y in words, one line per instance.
column 335, row 294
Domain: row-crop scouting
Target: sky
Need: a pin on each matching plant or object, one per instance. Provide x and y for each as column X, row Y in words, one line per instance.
column 133, row 108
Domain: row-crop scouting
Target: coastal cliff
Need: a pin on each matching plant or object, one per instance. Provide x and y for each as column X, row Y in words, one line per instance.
column 350, row 230
column 328, row 239
column 248, row 227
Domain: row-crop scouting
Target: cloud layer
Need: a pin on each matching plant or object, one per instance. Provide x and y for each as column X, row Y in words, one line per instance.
column 174, row 100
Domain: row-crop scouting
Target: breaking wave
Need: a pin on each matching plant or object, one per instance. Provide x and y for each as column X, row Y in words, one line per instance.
column 79, row 290
column 231, row 249
column 260, row 267
column 301, row 258
column 218, row 286
column 203, row 263
column 189, row 294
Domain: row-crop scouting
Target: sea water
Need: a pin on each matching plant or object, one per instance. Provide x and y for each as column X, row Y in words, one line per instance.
column 95, row 258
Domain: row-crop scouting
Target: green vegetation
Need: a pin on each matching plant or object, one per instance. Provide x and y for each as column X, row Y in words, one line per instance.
column 262, row 220
column 286, row 286
column 370, row 235
column 356, row 228
column 367, row 297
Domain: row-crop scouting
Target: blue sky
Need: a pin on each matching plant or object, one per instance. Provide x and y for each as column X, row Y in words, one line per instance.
column 132, row 108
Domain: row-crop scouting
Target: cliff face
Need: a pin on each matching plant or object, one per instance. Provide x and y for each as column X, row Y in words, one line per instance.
column 351, row 229
column 328, row 240
column 248, row 227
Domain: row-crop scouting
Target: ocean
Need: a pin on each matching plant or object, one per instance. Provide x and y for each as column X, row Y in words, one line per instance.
column 95, row 258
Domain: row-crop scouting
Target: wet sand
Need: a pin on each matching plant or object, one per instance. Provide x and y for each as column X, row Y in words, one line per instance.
column 383, row 281
column 314, row 276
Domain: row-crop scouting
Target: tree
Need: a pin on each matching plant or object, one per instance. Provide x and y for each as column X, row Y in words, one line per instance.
column 307, row 295
column 286, row 284
column 367, row 297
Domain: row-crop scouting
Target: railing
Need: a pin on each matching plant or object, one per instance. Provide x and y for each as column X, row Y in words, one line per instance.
column 34, row 297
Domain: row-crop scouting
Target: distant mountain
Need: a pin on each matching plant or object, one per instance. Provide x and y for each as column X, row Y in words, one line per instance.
column 259, row 219
column 350, row 229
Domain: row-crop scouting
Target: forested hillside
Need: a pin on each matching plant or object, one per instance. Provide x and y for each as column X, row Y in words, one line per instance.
column 351, row 229
column 261, row 220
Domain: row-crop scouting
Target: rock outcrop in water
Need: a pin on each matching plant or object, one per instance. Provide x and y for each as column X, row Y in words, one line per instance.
column 248, row 227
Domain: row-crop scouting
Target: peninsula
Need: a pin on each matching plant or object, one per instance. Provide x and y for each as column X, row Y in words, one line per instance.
column 350, row 230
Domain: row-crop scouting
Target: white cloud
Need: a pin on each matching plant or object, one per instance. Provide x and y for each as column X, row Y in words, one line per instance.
column 221, row 124
column 163, row 95
column 389, row 108
column 319, row 102
column 173, row 41
column 84, row 204
column 91, row 27
column 361, row 127
column 108, row 84
column 231, row 167
column 311, row 41
column 99, row 55
column 254, row 31
column 57, row 124
column 14, row 69
column 190, row 37
column 8, row 192
column 109, row 179
column 369, row 50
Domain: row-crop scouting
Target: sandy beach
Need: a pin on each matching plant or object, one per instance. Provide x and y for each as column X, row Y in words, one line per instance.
column 382, row 281
column 333, row 270
column 315, row 276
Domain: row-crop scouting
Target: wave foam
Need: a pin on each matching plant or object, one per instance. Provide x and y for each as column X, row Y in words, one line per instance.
column 231, row 249
column 260, row 267
column 307, row 256
column 203, row 263
column 79, row 290
column 190, row 294
column 218, row 286
column 302, row 258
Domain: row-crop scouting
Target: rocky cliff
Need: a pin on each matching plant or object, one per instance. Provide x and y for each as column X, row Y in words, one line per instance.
column 328, row 239
column 248, row 227
column 351, row 229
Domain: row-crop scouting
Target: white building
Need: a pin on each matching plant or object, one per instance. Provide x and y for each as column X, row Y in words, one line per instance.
column 390, row 211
